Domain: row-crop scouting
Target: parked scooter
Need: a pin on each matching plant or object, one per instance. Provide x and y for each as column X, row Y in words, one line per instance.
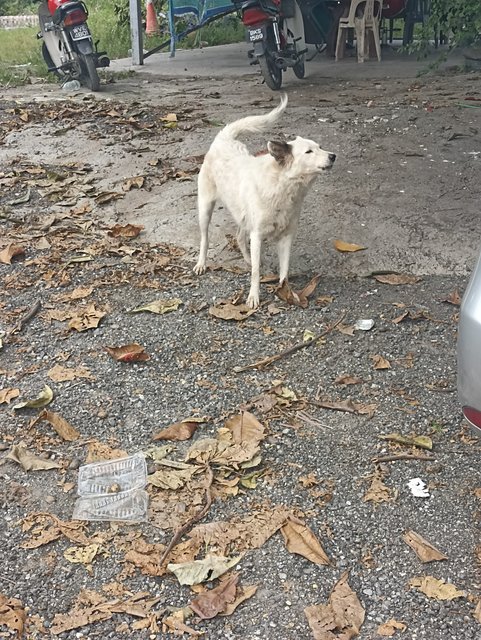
column 280, row 31
column 67, row 46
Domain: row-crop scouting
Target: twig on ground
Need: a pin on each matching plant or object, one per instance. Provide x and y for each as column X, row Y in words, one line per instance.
column 265, row 362
column 24, row 319
column 195, row 518
column 402, row 456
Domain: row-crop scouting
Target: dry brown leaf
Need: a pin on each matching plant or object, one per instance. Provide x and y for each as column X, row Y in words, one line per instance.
column 146, row 556
column 209, row 568
column 437, row 589
column 324, row 301
column 183, row 430
column 396, row 279
column 422, row 442
column 80, row 292
column 349, row 406
column 12, row 614
column 58, row 373
column 175, row 624
column 29, row 462
column 297, row 298
column 171, row 478
column 92, row 607
column 7, row 395
column 301, row 540
column 242, row 594
column 309, row 480
column 245, row 427
column 44, row 398
column 88, row 318
column 224, row 453
column 82, row 555
column 380, row 363
column 137, row 182
column 97, row 451
column 341, row 618
column 105, row 197
column 477, row 612
column 208, row 604
column 159, row 306
column 10, row 251
column 60, row 425
column 348, row 247
column 125, row 231
column 424, row 549
column 45, row 528
column 128, row 353
column 241, row 534
column 453, row 298
column 347, row 379
column 389, row 628
column 378, row 492
column 225, row 310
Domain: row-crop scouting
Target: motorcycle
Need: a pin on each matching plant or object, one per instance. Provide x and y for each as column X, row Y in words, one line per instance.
column 280, row 30
column 67, row 46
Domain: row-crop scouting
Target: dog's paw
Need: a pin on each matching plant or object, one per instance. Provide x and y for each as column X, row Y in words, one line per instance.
column 253, row 301
column 200, row 268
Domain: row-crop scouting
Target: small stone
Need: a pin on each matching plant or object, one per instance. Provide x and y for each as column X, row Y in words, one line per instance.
column 49, row 499
column 74, row 463
column 367, row 592
column 283, row 576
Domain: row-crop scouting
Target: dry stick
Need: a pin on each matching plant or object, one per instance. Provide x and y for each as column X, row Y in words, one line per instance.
column 198, row 516
column 287, row 352
column 402, row 456
column 25, row 318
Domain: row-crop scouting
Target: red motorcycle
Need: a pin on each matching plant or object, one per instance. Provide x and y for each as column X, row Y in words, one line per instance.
column 279, row 31
column 67, row 46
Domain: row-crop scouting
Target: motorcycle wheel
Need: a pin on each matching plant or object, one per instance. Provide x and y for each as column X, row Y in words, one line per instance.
column 89, row 75
column 299, row 69
column 271, row 73
column 48, row 60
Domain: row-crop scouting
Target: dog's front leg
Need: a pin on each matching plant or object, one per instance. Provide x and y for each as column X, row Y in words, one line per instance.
column 284, row 252
column 256, row 245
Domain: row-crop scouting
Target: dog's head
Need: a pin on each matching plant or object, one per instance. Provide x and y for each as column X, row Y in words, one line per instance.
column 303, row 157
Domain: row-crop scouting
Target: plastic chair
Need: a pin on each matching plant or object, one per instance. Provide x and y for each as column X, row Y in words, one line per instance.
column 364, row 17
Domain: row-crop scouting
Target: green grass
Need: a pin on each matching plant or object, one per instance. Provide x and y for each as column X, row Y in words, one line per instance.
column 20, row 51
column 20, row 56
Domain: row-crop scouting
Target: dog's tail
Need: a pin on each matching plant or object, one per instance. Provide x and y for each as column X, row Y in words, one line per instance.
column 253, row 124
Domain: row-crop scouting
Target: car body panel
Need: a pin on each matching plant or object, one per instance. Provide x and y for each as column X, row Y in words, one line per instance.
column 469, row 350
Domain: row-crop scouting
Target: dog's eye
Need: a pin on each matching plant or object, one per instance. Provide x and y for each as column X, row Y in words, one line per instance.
column 309, row 151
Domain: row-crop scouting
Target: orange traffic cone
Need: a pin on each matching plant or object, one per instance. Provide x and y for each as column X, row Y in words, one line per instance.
column 152, row 25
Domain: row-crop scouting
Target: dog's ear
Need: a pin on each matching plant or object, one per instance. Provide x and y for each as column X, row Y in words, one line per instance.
column 281, row 151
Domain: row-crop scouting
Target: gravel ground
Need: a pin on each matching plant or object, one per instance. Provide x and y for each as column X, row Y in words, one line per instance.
column 191, row 372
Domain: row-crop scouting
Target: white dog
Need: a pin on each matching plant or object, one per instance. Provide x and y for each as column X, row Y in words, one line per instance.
column 263, row 193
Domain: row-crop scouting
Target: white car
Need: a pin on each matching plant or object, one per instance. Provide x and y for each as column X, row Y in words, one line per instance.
column 469, row 351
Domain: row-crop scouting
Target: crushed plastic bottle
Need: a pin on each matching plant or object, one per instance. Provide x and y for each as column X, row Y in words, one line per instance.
column 71, row 85
column 113, row 490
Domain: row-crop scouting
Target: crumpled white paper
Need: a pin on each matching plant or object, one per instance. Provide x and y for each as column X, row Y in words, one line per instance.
column 418, row 488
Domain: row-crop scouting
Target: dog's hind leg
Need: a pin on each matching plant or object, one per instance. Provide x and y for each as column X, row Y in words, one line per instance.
column 256, row 246
column 206, row 198
column 243, row 245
